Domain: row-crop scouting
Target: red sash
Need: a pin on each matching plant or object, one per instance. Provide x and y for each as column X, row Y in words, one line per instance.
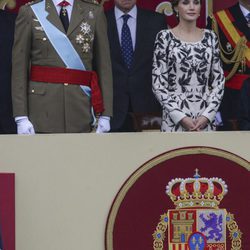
column 70, row 76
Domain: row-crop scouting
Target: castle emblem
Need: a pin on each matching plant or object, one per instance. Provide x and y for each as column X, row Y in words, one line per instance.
column 197, row 222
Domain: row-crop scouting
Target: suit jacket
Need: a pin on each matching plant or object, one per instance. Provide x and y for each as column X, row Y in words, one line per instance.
column 7, row 25
column 230, row 103
column 134, row 86
column 59, row 108
column 244, row 108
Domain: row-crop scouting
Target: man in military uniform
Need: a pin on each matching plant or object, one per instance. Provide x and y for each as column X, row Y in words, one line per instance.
column 59, row 47
column 232, row 26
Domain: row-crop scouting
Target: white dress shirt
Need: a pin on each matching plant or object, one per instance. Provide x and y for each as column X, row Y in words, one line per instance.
column 68, row 8
column 131, row 23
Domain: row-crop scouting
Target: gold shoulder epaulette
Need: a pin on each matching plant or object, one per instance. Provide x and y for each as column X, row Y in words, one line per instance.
column 92, row 1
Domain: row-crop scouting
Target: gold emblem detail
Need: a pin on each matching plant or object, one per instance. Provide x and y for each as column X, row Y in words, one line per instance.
column 229, row 47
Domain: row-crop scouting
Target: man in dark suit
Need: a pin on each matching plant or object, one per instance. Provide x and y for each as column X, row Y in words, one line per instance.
column 132, row 33
column 232, row 26
column 7, row 24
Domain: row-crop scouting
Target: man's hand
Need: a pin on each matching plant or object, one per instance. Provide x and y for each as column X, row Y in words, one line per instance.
column 24, row 126
column 103, row 124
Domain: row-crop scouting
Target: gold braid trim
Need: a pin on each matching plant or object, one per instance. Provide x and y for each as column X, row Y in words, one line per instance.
column 159, row 233
column 237, row 54
column 235, row 233
column 11, row 4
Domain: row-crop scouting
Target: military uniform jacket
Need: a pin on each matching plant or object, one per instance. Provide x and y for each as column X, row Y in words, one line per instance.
column 234, row 16
column 59, row 108
column 228, row 34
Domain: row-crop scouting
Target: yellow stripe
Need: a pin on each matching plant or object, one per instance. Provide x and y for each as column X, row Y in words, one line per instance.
column 227, row 23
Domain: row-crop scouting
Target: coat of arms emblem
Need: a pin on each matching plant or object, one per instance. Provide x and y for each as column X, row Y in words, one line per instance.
column 197, row 222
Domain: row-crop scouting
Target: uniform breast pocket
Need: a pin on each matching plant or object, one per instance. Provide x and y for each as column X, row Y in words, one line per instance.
column 37, row 88
column 40, row 44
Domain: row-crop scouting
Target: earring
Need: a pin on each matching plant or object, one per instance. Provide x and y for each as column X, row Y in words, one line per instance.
column 177, row 14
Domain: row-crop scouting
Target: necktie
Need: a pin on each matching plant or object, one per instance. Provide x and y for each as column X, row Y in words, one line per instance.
column 126, row 42
column 64, row 14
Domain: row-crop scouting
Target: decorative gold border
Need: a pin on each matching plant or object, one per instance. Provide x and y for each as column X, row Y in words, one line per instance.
column 155, row 161
column 235, row 233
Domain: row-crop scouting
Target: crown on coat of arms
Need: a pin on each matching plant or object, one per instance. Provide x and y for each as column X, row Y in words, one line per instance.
column 197, row 191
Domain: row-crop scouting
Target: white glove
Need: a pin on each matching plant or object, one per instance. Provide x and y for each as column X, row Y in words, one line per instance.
column 24, row 126
column 218, row 119
column 103, row 124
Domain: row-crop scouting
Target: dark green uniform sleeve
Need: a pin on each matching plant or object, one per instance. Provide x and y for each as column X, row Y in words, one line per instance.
column 21, row 61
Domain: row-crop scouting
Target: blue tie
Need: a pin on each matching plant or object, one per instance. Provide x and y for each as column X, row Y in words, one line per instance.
column 126, row 42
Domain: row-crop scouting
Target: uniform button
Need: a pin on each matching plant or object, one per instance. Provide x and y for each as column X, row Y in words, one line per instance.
column 33, row 91
column 44, row 38
column 66, row 84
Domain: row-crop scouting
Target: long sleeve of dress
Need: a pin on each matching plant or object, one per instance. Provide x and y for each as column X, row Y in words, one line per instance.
column 216, row 80
column 163, row 82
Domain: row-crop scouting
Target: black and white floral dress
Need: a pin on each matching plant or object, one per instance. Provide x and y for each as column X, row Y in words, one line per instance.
column 188, row 79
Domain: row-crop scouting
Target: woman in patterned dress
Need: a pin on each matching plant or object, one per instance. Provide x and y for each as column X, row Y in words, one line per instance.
column 188, row 79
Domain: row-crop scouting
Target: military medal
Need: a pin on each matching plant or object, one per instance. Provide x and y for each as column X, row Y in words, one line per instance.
column 91, row 15
column 85, row 28
column 64, row 11
column 85, row 37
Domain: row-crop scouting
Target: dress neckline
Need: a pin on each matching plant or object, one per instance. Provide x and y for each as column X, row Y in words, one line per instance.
column 187, row 42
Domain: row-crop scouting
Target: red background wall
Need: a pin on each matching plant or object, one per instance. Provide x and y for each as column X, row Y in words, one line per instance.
column 150, row 4
column 7, row 210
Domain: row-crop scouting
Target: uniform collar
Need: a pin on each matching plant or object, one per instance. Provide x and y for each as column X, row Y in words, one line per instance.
column 56, row 2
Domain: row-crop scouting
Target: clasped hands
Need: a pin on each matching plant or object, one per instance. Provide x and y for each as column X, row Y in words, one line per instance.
column 194, row 125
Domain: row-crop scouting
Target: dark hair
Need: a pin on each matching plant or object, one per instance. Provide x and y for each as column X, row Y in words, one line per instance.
column 175, row 3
